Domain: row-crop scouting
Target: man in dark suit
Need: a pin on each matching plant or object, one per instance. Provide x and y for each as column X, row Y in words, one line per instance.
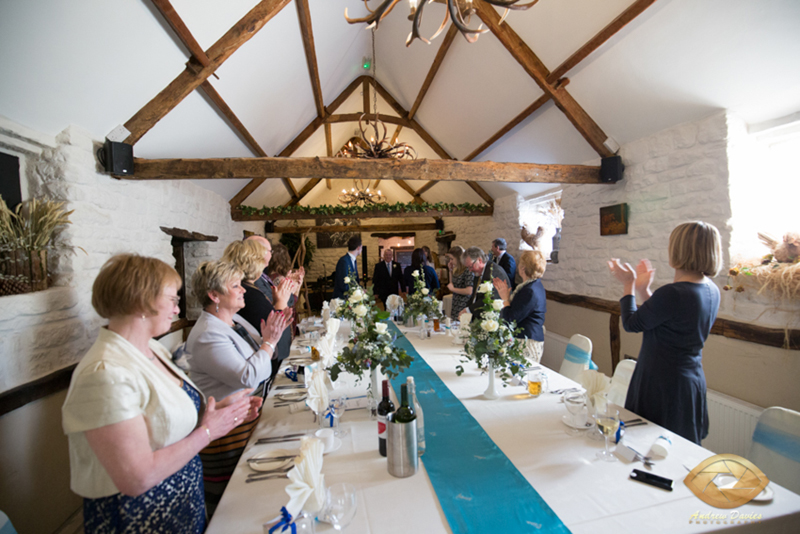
column 387, row 279
column 504, row 260
column 475, row 261
column 347, row 266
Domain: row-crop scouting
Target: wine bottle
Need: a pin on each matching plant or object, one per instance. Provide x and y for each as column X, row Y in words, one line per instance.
column 385, row 407
column 405, row 413
column 412, row 391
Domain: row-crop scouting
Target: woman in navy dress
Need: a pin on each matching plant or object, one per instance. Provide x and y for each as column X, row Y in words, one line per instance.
column 668, row 386
column 418, row 258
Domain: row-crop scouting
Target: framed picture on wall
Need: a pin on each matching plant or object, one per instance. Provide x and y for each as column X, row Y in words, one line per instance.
column 614, row 219
column 336, row 239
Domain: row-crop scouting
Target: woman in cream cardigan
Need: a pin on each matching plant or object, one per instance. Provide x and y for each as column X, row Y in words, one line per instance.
column 134, row 421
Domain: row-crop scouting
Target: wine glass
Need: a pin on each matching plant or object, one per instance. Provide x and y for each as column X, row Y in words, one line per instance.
column 338, row 406
column 575, row 401
column 340, row 505
column 608, row 422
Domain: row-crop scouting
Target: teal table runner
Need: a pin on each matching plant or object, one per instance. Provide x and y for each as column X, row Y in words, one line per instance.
column 479, row 489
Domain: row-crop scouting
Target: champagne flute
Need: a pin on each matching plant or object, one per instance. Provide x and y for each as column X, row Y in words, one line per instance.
column 338, row 404
column 575, row 401
column 340, row 505
column 608, row 423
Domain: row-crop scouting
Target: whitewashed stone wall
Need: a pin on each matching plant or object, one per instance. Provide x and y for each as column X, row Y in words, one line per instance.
column 45, row 331
column 677, row 175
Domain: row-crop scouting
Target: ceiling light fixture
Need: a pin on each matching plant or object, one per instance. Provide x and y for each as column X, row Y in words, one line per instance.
column 360, row 195
column 459, row 11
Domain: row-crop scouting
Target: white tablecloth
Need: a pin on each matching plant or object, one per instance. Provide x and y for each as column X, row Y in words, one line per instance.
column 588, row 495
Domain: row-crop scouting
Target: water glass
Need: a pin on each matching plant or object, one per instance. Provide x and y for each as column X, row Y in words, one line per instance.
column 575, row 401
column 338, row 405
column 340, row 505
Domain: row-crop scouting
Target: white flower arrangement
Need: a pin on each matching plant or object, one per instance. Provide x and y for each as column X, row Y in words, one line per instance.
column 497, row 304
column 421, row 302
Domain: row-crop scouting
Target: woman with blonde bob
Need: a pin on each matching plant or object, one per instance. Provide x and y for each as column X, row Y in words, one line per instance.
column 668, row 385
column 132, row 417
column 527, row 304
column 226, row 354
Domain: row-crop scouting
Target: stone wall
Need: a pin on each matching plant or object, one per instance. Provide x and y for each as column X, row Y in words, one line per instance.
column 46, row 331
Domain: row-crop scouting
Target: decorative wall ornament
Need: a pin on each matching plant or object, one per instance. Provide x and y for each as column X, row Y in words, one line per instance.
column 614, row 219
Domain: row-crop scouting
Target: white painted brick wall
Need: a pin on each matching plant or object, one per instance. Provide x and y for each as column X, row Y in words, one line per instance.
column 45, row 331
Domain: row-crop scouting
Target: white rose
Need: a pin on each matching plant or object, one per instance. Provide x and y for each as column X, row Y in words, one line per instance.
column 489, row 325
column 360, row 310
column 485, row 287
column 387, row 349
column 415, row 274
column 497, row 304
column 346, row 279
column 425, row 291
column 357, row 296
column 381, row 328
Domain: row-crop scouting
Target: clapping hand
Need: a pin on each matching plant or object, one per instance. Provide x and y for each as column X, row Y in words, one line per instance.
column 282, row 292
column 273, row 327
column 231, row 411
column 502, row 288
column 644, row 277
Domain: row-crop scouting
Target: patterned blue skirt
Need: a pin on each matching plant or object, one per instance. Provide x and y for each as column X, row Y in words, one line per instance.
column 175, row 505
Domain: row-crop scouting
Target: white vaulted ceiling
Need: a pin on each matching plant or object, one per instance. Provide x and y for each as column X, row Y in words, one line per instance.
column 95, row 63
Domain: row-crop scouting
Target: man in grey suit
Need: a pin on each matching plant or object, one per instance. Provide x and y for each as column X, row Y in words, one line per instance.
column 475, row 261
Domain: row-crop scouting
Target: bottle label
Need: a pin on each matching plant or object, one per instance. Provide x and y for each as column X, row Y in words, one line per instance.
column 382, row 426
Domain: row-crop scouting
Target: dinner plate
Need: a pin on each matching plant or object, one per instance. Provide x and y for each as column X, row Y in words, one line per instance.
column 729, row 481
column 272, row 466
column 306, row 342
column 567, row 420
column 291, row 396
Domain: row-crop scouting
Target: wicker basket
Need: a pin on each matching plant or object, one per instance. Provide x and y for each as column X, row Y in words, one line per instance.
column 23, row 271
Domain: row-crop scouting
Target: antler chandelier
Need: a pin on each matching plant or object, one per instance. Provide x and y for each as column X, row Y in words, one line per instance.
column 459, row 11
column 360, row 195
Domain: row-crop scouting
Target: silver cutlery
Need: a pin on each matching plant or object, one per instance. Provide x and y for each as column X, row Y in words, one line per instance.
column 266, row 477
column 266, row 441
column 646, row 460
column 565, row 390
column 271, row 459
column 640, row 423
column 298, row 386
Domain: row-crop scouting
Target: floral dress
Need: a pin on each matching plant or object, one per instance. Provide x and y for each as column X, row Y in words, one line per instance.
column 463, row 280
column 175, row 505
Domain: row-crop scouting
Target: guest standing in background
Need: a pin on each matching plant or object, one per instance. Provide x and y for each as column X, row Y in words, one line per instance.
column 668, row 385
column 278, row 270
column 429, row 260
column 475, row 261
column 504, row 259
column 134, row 421
column 418, row 264
column 461, row 280
column 387, row 278
column 226, row 355
column 347, row 267
column 263, row 282
column 527, row 304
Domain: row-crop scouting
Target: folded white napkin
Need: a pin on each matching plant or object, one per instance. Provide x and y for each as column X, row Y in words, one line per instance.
column 597, row 385
column 394, row 302
column 318, row 398
column 332, row 327
column 334, row 305
column 327, row 350
column 307, row 489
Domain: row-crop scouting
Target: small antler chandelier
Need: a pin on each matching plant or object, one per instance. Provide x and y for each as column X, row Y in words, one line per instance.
column 459, row 11
column 375, row 146
column 360, row 195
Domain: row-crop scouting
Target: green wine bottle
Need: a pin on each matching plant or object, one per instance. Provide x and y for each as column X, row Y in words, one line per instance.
column 405, row 413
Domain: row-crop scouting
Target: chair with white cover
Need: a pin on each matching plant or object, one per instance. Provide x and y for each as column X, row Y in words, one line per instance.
column 620, row 381
column 776, row 446
column 5, row 525
column 577, row 357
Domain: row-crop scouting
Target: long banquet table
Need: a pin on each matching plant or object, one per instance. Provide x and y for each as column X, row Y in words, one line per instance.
column 587, row 495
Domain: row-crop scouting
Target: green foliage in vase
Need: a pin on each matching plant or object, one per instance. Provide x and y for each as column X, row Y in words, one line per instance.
column 421, row 302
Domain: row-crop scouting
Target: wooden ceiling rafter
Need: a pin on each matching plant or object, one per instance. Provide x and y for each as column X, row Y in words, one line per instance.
column 328, row 149
column 529, row 61
column 191, row 78
column 361, row 228
column 237, row 215
column 307, row 35
column 182, row 31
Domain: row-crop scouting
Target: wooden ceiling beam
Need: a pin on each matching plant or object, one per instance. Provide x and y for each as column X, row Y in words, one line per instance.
column 307, row 34
column 361, row 169
column 223, row 107
column 354, row 117
column 633, row 11
column 410, row 190
column 237, row 215
column 328, row 149
column 344, row 95
column 183, row 33
column 508, row 127
column 426, row 187
column 188, row 80
column 522, row 53
column 481, row 193
column 306, row 189
column 437, row 62
column 361, row 228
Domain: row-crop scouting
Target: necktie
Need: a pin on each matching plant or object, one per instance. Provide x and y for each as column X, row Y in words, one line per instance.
column 355, row 269
column 389, row 268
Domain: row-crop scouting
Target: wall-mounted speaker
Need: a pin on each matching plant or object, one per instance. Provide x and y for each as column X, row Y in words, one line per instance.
column 117, row 158
column 611, row 169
